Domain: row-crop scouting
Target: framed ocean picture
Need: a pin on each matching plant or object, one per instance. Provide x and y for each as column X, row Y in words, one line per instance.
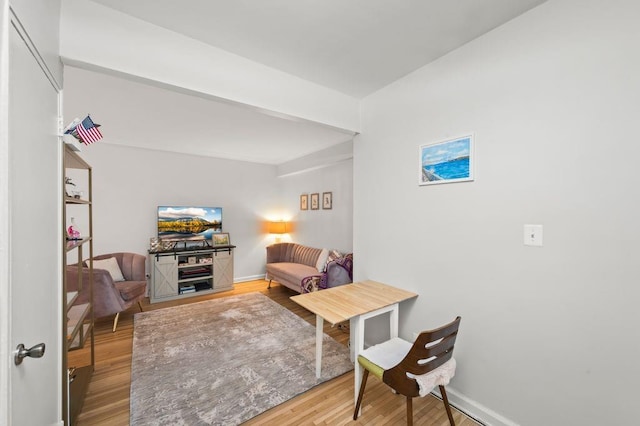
column 447, row 161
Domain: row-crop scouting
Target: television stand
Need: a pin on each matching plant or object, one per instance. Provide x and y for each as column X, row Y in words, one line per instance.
column 190, row 271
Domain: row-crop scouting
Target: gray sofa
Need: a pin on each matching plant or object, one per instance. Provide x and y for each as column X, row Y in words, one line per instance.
column 294, row 266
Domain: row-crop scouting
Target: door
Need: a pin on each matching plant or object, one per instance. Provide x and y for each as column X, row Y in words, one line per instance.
column 222, row 270
column 34, row 240
column 164, row 276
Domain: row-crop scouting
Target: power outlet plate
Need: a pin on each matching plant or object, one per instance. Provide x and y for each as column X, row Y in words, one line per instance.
column 533, row 235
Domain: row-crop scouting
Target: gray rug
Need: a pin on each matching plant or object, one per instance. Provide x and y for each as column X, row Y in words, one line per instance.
column 224, row 361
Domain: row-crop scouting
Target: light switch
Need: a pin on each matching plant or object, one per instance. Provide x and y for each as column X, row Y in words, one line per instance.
column 533, row 235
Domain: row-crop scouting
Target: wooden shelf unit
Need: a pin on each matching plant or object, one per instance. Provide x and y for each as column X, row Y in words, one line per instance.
column 78, row 320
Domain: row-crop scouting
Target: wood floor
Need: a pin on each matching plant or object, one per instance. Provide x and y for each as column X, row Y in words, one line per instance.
column 331, row 403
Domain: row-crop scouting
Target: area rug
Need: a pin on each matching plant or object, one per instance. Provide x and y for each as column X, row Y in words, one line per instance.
column 224, row 361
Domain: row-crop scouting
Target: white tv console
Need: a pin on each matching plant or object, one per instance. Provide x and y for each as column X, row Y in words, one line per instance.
column 189, row 272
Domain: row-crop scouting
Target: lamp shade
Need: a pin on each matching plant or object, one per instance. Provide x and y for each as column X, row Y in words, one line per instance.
column 278, row 227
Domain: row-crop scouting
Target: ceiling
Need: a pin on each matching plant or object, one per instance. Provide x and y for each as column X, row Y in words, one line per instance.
column 355, row 47
column 145, row 116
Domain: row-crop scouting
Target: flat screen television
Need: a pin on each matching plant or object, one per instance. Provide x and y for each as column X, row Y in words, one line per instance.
column 188, row 223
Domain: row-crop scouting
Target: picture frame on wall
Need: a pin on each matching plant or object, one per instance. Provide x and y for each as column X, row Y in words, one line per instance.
column 221, row 239
column 447, row 161
column 327, row 200
column 304, row 202
column 315, row 201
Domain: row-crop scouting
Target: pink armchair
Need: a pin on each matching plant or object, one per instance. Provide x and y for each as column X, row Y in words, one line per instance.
column 111, row 297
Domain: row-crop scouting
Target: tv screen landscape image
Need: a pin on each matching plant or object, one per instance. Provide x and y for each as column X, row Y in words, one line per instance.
column 188, row 222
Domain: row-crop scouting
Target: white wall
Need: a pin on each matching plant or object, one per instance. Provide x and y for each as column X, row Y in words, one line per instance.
column 40, row 19
column 129, row 184
column 548, row 334
column 331, row 229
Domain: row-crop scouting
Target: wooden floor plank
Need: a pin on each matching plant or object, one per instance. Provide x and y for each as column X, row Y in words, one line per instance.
column 331, row 403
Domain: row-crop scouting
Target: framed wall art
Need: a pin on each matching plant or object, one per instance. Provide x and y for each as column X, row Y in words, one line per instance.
column 327, row 200
column 221, row 239
column 446, row 161
column 315, row 201
column 304, row 202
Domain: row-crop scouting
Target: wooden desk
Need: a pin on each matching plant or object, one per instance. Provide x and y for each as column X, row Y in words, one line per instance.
column 354, row 302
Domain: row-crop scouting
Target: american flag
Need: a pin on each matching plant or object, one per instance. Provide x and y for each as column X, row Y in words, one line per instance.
column 88, row 131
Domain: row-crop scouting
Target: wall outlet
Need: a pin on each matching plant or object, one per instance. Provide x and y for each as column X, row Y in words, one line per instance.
column 533, row 235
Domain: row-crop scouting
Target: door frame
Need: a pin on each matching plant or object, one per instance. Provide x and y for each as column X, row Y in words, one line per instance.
column 5, row 305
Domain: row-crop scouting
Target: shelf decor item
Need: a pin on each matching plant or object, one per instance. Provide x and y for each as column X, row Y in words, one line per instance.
column 86, row 131
column 327, row 200
column 446, row 161
column 154, row 244
column 221, row 239
column 68, row 185
column 73, row 233
column 168, row 245
column 315, row 201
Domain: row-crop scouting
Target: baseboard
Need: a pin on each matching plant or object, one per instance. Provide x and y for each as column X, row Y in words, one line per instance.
column 249, row 278
column 475, row 410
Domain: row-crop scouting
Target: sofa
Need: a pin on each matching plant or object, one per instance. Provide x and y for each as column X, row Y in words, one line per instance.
column 304, row 269
column 116, row 288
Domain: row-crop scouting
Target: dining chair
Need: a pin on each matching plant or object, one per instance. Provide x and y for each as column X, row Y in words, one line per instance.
column 413, row 369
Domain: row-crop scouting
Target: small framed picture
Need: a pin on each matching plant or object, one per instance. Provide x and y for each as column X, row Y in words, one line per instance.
column 304, row 202
column 221, row 239
column 315, row 201
column 446, row 161
column 327, row 200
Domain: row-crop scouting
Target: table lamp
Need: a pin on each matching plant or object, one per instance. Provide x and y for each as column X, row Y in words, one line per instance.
column 278, row 228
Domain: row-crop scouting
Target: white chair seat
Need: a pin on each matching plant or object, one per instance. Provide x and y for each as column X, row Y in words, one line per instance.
column 387, row 354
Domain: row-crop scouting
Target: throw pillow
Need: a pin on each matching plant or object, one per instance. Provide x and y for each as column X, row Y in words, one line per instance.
column 310, row 284
column 333, row 255
column 322, row 260
column 110, row 265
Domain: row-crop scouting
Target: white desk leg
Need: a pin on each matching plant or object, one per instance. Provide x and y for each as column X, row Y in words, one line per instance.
column 393, row 321
column 358, row 331
column 319, row 334
column 358, row 338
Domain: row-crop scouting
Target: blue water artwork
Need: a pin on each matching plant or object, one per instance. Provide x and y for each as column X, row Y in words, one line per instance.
column 447, row 161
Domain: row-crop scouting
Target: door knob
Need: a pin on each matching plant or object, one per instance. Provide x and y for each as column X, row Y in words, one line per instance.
column 36, row 351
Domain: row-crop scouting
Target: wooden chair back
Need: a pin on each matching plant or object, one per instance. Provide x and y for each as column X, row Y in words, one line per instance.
column 437, row 344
